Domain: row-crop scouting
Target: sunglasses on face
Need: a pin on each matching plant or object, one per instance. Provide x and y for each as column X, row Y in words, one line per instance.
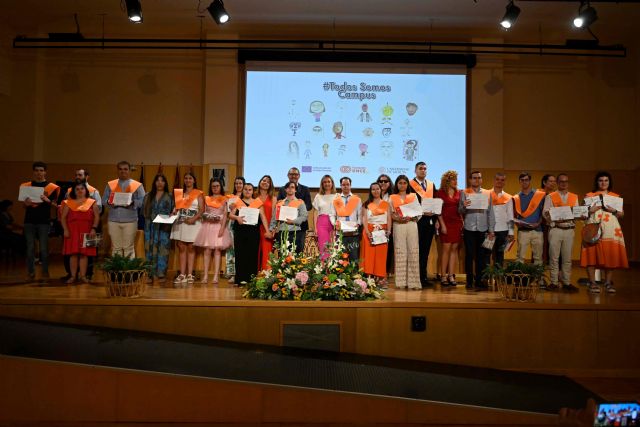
column 384, row 181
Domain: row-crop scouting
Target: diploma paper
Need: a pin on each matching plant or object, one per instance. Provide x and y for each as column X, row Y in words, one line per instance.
column 378, row 219
column 500, row 213
column 590, row 201
column 120, row 198
column 31, row 193
column 88, row 242
column 287, row 212
column 412, row 209
column 378, row 237
column 580, row 211
column 348, row 226
column 165, row 219
column 488, row 243
column 433, row 206
column 614, row 202
column 251, row 215
column 561, row 213
column 478, row 201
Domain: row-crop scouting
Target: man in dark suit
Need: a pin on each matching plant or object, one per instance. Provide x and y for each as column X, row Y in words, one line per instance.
column 302, row 193
column 428, row 223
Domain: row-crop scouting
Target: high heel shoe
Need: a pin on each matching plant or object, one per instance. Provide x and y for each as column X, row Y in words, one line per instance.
column 204, row 280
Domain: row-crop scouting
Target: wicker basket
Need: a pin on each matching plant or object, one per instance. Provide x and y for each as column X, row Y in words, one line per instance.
column 311, row 249
column 128, row 284
column 517, row 286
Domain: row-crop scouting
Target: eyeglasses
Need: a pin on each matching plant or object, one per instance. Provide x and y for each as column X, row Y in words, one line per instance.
column 563, row 181
column 383, row 181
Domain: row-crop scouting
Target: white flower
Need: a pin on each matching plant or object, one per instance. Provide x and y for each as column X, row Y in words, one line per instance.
column 371, row 281
column 291, row 283
column 287, row 271
column 342, row 282
column 267, row 273
column 317, row 269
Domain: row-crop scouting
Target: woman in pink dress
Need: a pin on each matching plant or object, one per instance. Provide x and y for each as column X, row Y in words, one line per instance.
column 266, row 193
column 450, row 227
column 80, row 216
column 214, row 235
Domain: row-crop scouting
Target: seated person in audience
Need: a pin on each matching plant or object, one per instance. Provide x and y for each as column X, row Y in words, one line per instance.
column 9, row 238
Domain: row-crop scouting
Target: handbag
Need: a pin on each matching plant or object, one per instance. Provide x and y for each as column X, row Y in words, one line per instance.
column 591, row 233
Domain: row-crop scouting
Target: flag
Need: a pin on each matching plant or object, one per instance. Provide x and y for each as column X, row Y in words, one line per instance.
column 176, row 179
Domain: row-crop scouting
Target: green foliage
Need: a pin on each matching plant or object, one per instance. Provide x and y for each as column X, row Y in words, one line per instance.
column 497, row 271
column 120, row 263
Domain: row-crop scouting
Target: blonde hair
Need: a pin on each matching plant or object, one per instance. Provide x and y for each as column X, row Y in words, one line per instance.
column 447, row 177
column 333, row 185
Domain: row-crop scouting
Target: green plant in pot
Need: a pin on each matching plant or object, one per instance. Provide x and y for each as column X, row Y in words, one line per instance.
column 118, row 268
column 516, row 280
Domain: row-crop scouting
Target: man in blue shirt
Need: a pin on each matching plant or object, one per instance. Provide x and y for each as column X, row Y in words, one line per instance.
column 528, row 205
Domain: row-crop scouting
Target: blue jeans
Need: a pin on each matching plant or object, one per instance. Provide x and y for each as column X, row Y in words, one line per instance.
column 41, row 232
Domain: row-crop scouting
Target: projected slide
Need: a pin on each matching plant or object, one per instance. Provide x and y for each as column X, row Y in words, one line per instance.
column 353, row 124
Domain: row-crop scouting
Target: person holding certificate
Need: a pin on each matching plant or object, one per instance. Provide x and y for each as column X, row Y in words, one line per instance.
column 213, row 235
column 266, row 194
column 302, row 193
column 479, row 224
column 348, row 208
column 405, row 234
column 80, row 216
column 376, row 218
column 289, row 214
column 561, row 232
column 124, row 197
column 230, row 259
column 450, row 227
column 157, row 237
column 324, row 214
column 189, row 205
column 39, row 197
column 387, row 190
column 528, row 204
column 428, row 223
column 246, row 234
column 502, row 203
column 609, row 252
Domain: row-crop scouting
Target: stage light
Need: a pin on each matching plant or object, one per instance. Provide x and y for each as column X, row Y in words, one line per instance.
column 217, row 11
column 134, row 10
column 510, row 16
column 586, row 16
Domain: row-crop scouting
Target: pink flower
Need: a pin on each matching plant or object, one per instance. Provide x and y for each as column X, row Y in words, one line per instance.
column 303, row 277
column 361, row 283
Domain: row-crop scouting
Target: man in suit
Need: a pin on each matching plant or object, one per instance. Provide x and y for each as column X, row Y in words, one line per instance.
column 302, row 193
column 428, row 223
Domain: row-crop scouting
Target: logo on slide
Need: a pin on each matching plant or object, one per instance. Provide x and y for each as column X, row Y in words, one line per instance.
column 306, row 169
column 353, row 169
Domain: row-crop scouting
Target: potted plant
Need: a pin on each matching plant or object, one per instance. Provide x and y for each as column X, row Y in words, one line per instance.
column 124, row 276
column 516, row 281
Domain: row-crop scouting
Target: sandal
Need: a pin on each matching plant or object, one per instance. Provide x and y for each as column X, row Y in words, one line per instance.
column 610, row 288
column 71, row 280
column 84, row 280
column 594, row 288
column 452, row 280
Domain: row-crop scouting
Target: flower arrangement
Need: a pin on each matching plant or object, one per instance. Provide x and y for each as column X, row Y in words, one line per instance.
column 293, row 276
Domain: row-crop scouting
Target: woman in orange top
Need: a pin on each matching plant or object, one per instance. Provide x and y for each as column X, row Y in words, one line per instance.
column 375, row 216
column 608, row 253
column 80, row 215
column 405, row 237
column 266, row 193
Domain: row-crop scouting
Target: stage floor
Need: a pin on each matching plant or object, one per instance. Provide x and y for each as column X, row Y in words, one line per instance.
column 14, row 289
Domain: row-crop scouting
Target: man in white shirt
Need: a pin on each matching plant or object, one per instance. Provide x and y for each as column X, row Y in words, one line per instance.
column 503, row 211
column 348, row 209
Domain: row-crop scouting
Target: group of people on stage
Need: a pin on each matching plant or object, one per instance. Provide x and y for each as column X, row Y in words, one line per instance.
column 484, row 221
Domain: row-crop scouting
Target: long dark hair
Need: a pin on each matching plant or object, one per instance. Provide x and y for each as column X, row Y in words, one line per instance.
column 390, row 188
column 78, row 183
column 219, row 181
column 599, row 175
column 270, row 191
column 151, row 195
column 395, row 185
column 195, row 181
column 370, row 199
column 238, row 178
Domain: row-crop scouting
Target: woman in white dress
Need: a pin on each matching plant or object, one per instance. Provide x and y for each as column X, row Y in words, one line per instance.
column 189, row 204
column 324, row 214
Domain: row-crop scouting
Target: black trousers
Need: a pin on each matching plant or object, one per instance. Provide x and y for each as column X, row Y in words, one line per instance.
column 426, row 231
column 475, row 256
column 352, row 246
column 294, row 236
column 498, row 247
column 67, row 265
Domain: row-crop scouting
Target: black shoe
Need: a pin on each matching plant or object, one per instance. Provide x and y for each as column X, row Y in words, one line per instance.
column 65, row 278
column 480, row 287
column 426, row 284
column 469, row 287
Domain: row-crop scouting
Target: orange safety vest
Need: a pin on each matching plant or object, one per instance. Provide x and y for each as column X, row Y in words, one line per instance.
column 292, row 203
column 181, row 201
column 215, row 201
column 502, row 200
column 428, row 193
column 345, row 210
column 537, row 198
column 556, row 199
column 131, row 188
column 49, row 189
column 79, row 207
column 396, row 201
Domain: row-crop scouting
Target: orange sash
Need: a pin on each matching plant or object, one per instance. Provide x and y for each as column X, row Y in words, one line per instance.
column 556, row 199
column 396, row 201
column 292, row 203
column 418, row 189
column 341, row 209
column 75, row 206
column 597, row 193
column 537, row 198
column 49, row 189
column 131, row 188
column 214, row 201
column 382, row 208
column 185, row 203
column 502, row 200
column 255, row 203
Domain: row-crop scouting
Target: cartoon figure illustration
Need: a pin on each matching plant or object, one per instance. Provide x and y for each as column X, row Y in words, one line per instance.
column 294, row 126
column 367, row 132
column 364, row 116
column 386, row 149
column 294, row 150
column 387, row 112
column 342, row 149
column 412, row 108
column 363, row 149
column 317, row 108
column 325, row 149
column 317, row 131
column 338, row 128
column 307, row 151
column 386, row 132
column 406, row 129
column 410, row 150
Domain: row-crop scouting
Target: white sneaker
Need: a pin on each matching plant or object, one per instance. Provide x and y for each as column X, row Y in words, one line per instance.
column 594, row 288
column 610, row 289
column 180, row 279
column 190, row 279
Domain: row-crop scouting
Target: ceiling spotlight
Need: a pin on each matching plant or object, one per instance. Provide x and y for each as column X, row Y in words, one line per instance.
column 586, row 16
column 134, row 10
column 510, row 16
column 217, row 11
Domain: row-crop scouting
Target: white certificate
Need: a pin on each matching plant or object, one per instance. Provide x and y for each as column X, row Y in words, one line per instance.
column 433, row 206
column 348, row 226
column 580, row 211
column 378, row 237
column 31, row 193
column 500, row 213
column 478, row 201
column 377, row 219
column 231, row 203
column 251, row 215
column 88, row 242
column 165, row 219
column 591, row 201
column 121, row 199
column 412, row 209
column 614, row 202
column 561, row 213
column 488, row 243
column 287, row 212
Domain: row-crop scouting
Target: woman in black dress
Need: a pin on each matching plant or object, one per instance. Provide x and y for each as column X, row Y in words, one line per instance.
column 246, row 238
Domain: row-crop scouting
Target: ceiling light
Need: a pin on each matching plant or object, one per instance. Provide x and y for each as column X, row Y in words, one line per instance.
column 134, row 10
column 586, row 16
column 217, row 11
column 510, row 16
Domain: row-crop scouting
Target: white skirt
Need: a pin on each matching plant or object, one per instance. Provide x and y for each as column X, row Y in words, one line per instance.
column 185, row 232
